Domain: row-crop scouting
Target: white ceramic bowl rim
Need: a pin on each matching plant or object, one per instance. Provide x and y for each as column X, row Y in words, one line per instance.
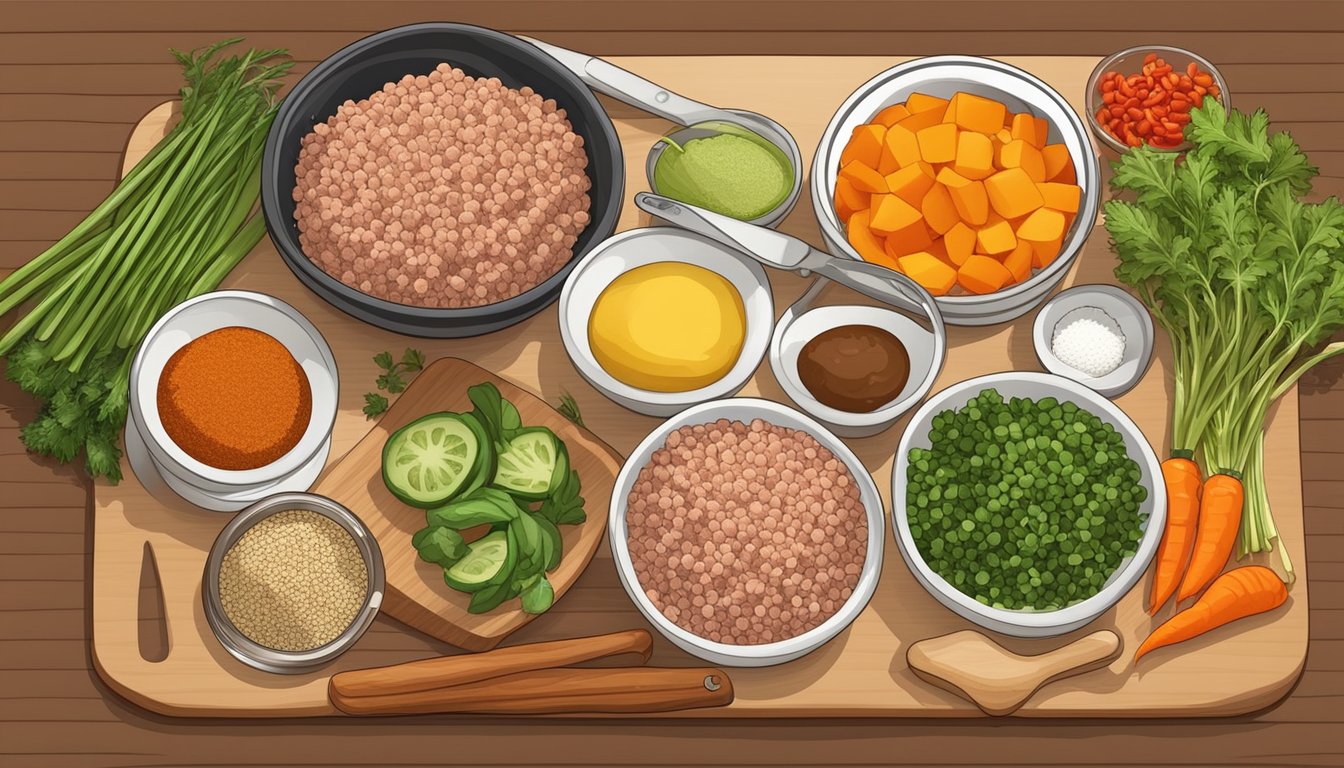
column 1120, row 581
column 755, row 345
column 744, row 409
column 1088, row 170
column 314, row 436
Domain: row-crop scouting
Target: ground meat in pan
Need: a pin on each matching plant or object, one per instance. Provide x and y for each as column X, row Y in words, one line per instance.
column 442, row 190
column 746, row 534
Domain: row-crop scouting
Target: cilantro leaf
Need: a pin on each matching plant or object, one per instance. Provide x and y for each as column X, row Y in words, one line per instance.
column 412, row 359
column 374, row 404
column 383, row 360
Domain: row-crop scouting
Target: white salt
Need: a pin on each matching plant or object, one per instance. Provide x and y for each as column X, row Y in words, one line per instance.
column 1089, row 346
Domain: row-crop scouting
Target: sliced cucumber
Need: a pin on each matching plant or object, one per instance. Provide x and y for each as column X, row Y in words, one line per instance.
column 527, row 467
column 486, row 558
column 426, row 462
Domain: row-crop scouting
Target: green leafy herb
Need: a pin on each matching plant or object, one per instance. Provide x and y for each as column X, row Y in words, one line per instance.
column 1246, row 279
column 174, row 226
column 393, row 379
column 565, row 506
column 538, row 597
column 374, row 404
column 442, row 546
column 569, row 408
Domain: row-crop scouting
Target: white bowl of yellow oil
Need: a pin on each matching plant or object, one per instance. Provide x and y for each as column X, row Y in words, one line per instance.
column 660, row 319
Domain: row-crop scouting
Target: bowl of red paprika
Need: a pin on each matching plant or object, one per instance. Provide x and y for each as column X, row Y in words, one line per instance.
column 1143, row 95
column 233, row 395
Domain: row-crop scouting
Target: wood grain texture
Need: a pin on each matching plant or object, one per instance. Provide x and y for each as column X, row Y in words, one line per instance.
column 842, row 679
column 67, row 718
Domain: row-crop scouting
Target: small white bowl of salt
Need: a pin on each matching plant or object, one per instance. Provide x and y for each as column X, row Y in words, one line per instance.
column 1097, row 335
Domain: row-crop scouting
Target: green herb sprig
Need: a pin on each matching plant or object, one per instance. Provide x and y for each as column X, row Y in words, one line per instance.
column 1246, row 279
column 393, row 378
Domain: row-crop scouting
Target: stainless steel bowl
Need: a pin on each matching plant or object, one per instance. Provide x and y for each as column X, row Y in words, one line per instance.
column 745, row 409
column 944, row 76
column 1027, row 623
column 248, row 651
column 1130, row 61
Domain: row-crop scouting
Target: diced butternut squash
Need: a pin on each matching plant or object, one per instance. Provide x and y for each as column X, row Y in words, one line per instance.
column 1018, row 261
column 983, row 274
column 900, row 148
column 849, row 197
column 1056, row 158
column 865, row 146
column 939, row 211
column 968, row 196
column 1012, row 193
column 975, row 155
column 922, row 102
column 1042, row 132
column 950, row 114
column 908, row 240
column 938, row 143
column 864, row 178
column 891, row 214
column 1003, row 135
column 1018, row 153
column 869, row 246
column 1024, row 128
column 977, row 113
column 1061, row 197
column 929, row 271
column 1042, row 254
column 1042, row 226
column 911, row 183
column 918, row 121
column 939, row 249
column 891, row 115
column 960, row 243
column 996, row 238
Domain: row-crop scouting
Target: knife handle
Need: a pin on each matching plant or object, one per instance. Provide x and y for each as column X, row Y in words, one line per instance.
column 560, row 691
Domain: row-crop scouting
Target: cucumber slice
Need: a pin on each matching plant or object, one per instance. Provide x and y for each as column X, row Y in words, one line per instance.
column 426, row 462
column 486, row 558
column 526, row 468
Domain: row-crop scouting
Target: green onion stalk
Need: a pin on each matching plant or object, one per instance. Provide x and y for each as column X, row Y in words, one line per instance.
column 173, row 228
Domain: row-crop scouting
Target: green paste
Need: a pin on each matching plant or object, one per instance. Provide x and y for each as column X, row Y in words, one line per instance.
column 737, row 174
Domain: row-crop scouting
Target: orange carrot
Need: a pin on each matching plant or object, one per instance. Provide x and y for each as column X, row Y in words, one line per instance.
column 1182, row 478
column 1219, row 519
column 1236, row 594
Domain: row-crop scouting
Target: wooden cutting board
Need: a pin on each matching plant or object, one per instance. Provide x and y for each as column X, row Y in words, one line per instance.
column 863, row 671
column 416, row 594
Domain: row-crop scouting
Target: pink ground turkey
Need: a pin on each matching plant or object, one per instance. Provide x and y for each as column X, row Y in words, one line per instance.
column 746, row 534
column 442, row 190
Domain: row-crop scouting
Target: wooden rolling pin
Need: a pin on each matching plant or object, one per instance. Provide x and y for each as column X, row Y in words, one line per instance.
column 997, row 680
column 559, row 691
column 448, row 671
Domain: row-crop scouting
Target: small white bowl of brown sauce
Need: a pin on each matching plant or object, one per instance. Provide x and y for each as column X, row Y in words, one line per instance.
column 856, row 368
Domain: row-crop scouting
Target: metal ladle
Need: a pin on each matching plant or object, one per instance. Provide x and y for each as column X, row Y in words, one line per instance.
column 698, row 120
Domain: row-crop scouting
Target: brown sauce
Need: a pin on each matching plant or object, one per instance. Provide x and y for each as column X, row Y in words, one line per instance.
column 855, row 368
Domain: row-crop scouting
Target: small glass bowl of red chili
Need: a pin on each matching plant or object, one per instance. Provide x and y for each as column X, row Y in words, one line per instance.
column 1143, row 95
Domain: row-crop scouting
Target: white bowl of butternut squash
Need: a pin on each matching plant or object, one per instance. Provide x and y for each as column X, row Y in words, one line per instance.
column 970, row 176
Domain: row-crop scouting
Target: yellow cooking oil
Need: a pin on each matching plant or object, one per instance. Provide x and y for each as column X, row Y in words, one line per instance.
column 668, row 327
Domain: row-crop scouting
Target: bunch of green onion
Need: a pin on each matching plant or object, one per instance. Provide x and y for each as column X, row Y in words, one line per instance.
column 172, row 229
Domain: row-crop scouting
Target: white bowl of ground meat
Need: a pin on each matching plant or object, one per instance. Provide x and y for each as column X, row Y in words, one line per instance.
column 746, row 533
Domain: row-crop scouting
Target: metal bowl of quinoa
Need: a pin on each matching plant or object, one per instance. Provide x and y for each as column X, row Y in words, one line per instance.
column 409, row 259
column 1027, row 622
column 782, row 587
column 292, row 582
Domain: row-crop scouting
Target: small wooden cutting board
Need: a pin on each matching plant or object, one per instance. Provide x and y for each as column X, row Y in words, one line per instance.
column 416, row 594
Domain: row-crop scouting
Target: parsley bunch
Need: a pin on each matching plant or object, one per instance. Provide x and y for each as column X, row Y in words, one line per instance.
column 1246, row 279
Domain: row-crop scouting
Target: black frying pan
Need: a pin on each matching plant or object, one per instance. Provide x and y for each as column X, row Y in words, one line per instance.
column 363, row 67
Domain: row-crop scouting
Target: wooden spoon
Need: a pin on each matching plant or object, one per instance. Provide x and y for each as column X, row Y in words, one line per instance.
column 994, row 678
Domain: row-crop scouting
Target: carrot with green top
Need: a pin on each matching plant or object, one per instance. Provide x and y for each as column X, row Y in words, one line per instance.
column 1235, row 595
column 1184, row 484
column 1219, row 518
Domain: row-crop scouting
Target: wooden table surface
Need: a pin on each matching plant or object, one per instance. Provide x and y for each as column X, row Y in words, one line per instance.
column 74, row 77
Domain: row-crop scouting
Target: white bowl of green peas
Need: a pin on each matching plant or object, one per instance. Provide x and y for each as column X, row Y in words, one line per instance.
column 1031, row 512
